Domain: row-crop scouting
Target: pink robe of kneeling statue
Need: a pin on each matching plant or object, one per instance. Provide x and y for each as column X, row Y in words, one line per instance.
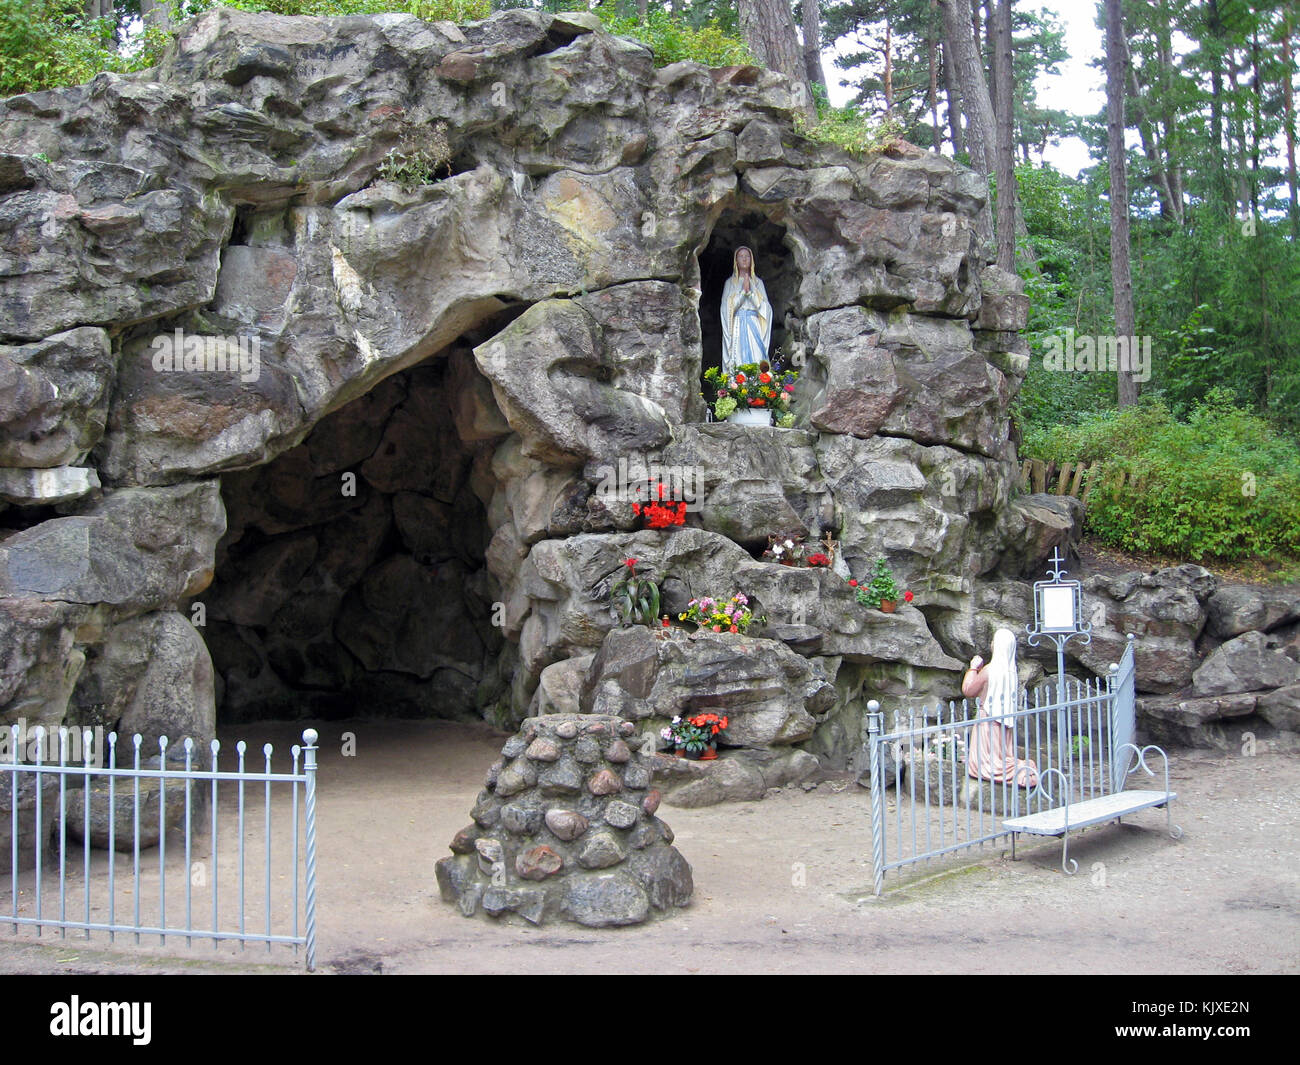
column 991, row 747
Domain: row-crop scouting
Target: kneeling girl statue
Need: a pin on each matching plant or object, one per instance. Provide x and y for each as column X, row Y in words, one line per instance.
column 746, row 314
column 991, row 749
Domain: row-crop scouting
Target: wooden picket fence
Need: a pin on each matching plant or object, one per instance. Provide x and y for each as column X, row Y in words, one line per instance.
column 1074, row 478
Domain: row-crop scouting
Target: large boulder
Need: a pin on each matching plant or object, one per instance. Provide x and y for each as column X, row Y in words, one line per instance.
column 771, row 695
column 54, row 398
column 1238, row 608
column 1250, row 662
column 139, row 548
column 1165, row 610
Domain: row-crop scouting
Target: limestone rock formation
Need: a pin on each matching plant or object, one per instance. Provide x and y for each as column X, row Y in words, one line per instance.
column 359, row 433
column 565, row 829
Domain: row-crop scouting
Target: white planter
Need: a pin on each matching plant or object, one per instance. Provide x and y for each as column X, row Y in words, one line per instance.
column 750, row 416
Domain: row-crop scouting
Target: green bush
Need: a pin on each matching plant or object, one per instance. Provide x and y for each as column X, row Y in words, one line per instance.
column 673, row 40
column 43, row 47
column 850, row 129
column 1221, row 485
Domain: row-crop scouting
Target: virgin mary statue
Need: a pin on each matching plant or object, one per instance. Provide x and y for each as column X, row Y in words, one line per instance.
column 746, row 314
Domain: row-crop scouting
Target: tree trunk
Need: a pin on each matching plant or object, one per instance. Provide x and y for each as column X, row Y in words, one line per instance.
column 889, row 69
column 768, row 27
column 976, row 105
column 953, row 97
column 932, row 48
column 1149, row 146
column 155, row 13
column 1120, row 274
column 1288, row 103
column 812, row 43
column 1000, row 31
column 642, row 9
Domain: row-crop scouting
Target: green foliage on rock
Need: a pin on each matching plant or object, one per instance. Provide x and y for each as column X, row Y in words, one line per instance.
column 429, row 10
column 850, row 129
column 673, row 39
column 1221, row 485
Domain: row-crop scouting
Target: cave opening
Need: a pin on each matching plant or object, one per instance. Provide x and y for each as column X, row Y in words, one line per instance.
column 774, row 264
column 352, row 581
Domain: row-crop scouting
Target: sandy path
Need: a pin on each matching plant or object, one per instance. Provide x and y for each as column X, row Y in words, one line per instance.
column 783, row 885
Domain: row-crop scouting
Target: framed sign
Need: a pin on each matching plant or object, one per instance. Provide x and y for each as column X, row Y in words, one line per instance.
column 1056, row 607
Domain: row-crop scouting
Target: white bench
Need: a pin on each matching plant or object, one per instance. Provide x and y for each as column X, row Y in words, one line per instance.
column 1059, row 820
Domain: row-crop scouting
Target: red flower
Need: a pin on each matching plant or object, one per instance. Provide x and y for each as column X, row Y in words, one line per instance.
column 853, row 584
column 759, row 402
column 630, row 562
column 734, row 629
column 740, row 378
column 717, row 628
column 789, row 388
column 765, row 377
column 636, row 508
column 907, row 597
column 665, row 621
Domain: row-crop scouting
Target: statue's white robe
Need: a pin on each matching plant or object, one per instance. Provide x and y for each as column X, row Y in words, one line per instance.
column 746, row 323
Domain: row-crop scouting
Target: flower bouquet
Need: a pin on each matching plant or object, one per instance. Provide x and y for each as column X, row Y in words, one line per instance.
column 635, row 598
column 792, row 551
column 754, row 386
column 730, row 615
column 694, row 736
column 882, row 590
column 661, row 513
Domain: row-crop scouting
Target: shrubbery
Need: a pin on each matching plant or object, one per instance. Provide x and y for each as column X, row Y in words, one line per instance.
column 674, row 40
column 1221, row 485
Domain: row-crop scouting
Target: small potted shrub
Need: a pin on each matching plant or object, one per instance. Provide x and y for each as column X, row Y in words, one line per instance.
column 882, row 590
column 695, row 736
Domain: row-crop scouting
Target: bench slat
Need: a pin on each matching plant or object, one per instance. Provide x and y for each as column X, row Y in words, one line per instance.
column 1089, row 812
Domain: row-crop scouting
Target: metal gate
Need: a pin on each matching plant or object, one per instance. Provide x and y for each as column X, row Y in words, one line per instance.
column 121, row 811
column 938, row 808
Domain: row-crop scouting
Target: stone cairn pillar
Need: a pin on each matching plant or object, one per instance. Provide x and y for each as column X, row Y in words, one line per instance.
column 566, row 829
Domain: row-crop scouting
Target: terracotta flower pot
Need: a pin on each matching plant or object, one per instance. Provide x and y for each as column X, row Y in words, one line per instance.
column 887, row 605
column 709, row 755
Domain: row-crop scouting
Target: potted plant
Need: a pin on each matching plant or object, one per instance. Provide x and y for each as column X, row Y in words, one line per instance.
column 635, row 598
column 882, row 590
column 695, row 736
column 753, row 395
column 720, row 615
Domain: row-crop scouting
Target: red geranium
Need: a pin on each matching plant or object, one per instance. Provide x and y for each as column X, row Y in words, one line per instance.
column 853, row 584
column 765, row 377
column 740, row 378
column 907, row 597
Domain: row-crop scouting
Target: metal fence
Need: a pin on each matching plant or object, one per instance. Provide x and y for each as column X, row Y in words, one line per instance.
column 937, row 806
column 118, row 812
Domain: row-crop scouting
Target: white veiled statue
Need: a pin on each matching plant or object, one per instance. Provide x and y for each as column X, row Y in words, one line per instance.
column 991, row 749
column 746, row 314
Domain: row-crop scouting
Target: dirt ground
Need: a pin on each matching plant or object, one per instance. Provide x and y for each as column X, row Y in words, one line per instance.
column 782, row 885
